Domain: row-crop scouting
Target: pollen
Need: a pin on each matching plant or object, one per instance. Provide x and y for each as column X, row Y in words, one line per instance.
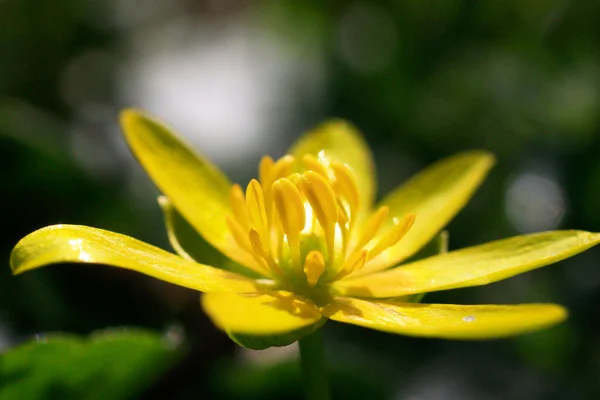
column 303, row 224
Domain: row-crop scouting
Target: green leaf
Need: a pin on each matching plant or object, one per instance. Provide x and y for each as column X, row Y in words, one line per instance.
column 107, row 365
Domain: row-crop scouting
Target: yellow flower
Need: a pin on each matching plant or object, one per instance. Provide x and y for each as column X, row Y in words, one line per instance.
column 313, row 244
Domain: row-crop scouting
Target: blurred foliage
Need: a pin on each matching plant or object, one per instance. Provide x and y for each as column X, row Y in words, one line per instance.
column 422, row 79
column 107, row 366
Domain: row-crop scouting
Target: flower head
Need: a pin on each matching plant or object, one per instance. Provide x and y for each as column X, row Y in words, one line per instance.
column 308, row 244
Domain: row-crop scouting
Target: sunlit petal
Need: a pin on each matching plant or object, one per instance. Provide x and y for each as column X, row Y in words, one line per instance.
column 82, row 244
column 445, row 321
column 434, row 196
column 472, row 266
column 196, row 187
column 261, row 313
column 340, row 142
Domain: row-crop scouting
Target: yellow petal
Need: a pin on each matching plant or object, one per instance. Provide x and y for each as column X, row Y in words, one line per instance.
column 340, row 142
column 260, row 313
column 445, row 321
column 472, row 266
column 82, row 244
column 196, row 187
column 434, row 195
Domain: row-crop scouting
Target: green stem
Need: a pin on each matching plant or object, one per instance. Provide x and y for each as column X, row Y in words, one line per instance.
column 312, row 360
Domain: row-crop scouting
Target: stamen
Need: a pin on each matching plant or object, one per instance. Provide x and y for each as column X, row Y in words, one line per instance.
column 314, row 266
column 295, row 178
column 343, row 216
column 259, row 249
column 265, row 169
column 313, row 164
column 278, row 170
column 239, row 235
column 238, row 204
column 393, row 236
column 242, row 240
column 256, row 243
column 282, row 167
column 255, row 203
column 290, row 210
column 345, row 185
column 322, row 200
column 289, row 205
column 372, row 226
column 343, row 219
column 354, row 263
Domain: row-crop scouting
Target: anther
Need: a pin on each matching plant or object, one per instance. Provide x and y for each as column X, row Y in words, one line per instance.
column 354, row 263
column 242, row 240
column 313, row 164
column 255, row 203
column 322, row 200
column 343, row 216
column 314, row 266
column 238, row 204
column 282, row 167
column 372, row 226
column 256, row 243
column 289, row 205
column 240, row 237
column 275, row 171
column 290, row 210
column 264, row 169
column 345, row 185
column 259, row 250
column 393, row 236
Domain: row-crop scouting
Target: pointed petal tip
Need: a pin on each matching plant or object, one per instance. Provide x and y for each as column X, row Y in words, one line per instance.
column 558, row 312
column 129, row 115
column 132, row 118
column 338, row 123
column 486, row 158
column 17, row 260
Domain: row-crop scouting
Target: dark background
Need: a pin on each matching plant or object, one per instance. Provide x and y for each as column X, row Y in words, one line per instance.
column 422, row 80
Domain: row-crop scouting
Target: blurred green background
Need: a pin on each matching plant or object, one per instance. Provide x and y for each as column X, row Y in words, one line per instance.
column 239, row 79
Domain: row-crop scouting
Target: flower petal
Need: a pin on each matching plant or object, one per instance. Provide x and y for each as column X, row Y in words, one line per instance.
column 434, row 195
column 472, row 266
column 445, row 321
column 196, row 187
column 189, row 244
column 82, row 244
column 261, row 313
column 340, row 142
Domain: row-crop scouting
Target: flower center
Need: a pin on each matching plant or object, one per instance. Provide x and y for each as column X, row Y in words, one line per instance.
column 303, row 225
